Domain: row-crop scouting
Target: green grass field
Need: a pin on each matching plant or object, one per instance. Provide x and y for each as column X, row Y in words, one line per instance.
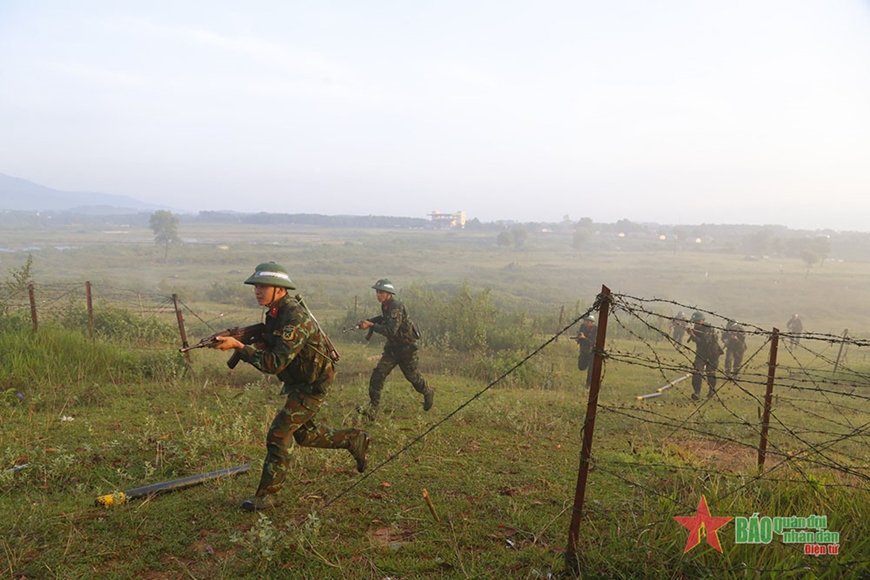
column 498, row 455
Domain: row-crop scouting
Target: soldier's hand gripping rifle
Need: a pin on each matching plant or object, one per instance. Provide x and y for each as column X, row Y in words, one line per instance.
column 375, row 320
column 244, row 334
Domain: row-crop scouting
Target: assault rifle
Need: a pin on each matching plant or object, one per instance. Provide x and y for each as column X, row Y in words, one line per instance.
column 244, row 334
column 374, row 320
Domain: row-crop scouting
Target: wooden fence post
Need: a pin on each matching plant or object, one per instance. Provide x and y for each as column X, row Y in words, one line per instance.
column 32, row 306
column 840, row 352
column 561, row 316
column 768, row 396
column 571, row 560
column 90, row 310
column 180, row 319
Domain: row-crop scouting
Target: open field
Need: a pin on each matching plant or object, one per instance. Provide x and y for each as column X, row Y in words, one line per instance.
column 499, row 452
column 335, row 266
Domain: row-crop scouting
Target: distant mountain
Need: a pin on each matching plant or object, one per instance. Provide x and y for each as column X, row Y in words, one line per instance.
column 21, row 195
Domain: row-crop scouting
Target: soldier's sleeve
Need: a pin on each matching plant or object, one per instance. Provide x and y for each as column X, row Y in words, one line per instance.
column 392, row 321
column 294, row 335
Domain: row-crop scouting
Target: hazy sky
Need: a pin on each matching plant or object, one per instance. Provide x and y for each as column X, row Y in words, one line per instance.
column 669, row 111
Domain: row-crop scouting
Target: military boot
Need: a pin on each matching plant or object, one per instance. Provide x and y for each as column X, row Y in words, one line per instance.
column 428, row 398
column 358, row 447
column 259, row 502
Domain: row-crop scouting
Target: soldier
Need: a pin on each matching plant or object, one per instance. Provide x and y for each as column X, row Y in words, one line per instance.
column 795, row 328
column 679, row 327
column 586, row 336
column 734, row 340
column 707, row 352
column 400, row 348
column 295, row 350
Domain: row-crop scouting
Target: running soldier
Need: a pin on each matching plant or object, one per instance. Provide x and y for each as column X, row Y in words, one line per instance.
column 294, row 349
column 400, row 349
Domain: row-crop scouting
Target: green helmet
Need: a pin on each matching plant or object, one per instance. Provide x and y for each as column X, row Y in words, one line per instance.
column 271, row 274
column 385, row 285
column 698, row 316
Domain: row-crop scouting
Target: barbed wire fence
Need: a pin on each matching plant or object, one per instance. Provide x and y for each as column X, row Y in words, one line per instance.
column 798, row 415
column 110, row 311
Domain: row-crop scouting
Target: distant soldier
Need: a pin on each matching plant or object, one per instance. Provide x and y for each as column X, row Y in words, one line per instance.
column 795, row 328
column 295, row 350
column 678, row 324
column 707, row 352
column 734, row 339
column 586, row 336
column 400, row 348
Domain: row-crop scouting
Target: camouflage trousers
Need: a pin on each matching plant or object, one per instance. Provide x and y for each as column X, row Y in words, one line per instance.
column 733, row 361
column 406, row 359
column 704, row 368
column 584, row 363
column 295, row 420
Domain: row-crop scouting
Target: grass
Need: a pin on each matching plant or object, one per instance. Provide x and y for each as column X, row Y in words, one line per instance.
column 500, row 469
column 500, row 466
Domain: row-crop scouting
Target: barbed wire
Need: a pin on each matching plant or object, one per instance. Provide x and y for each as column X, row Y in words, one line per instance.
column 819, row 420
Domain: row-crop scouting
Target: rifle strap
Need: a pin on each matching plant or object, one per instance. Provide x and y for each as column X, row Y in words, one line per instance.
column 331, row 353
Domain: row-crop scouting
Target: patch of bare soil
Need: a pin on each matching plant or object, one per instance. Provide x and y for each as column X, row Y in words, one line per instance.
column 723, row 455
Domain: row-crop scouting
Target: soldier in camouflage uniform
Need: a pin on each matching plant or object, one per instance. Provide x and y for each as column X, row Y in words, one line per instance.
column 678, row 324
column 795, row 328
column 586, row 336
column 734, row 340
column 707, row 353
column 400, row 348
column 295, row 350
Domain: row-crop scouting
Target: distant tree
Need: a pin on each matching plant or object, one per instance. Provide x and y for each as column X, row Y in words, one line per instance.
column 505, row 238
column 822, row 246
column 165, row 228
column 759, row 243
column 627, row 226
column 810, row 257
column 582, row 231
column 520, row 235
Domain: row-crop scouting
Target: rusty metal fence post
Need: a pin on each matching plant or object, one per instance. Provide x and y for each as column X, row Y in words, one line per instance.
column 571, row 560
column 768, row 396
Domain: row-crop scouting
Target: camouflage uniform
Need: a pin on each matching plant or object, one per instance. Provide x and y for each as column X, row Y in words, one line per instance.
column 707, row 353
column 400, row 349
column 795, row 327
column 586, row 337
column 295, row 352
column 735, row 345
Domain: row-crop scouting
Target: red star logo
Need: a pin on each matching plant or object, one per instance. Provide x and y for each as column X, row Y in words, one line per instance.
column 702, row 523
